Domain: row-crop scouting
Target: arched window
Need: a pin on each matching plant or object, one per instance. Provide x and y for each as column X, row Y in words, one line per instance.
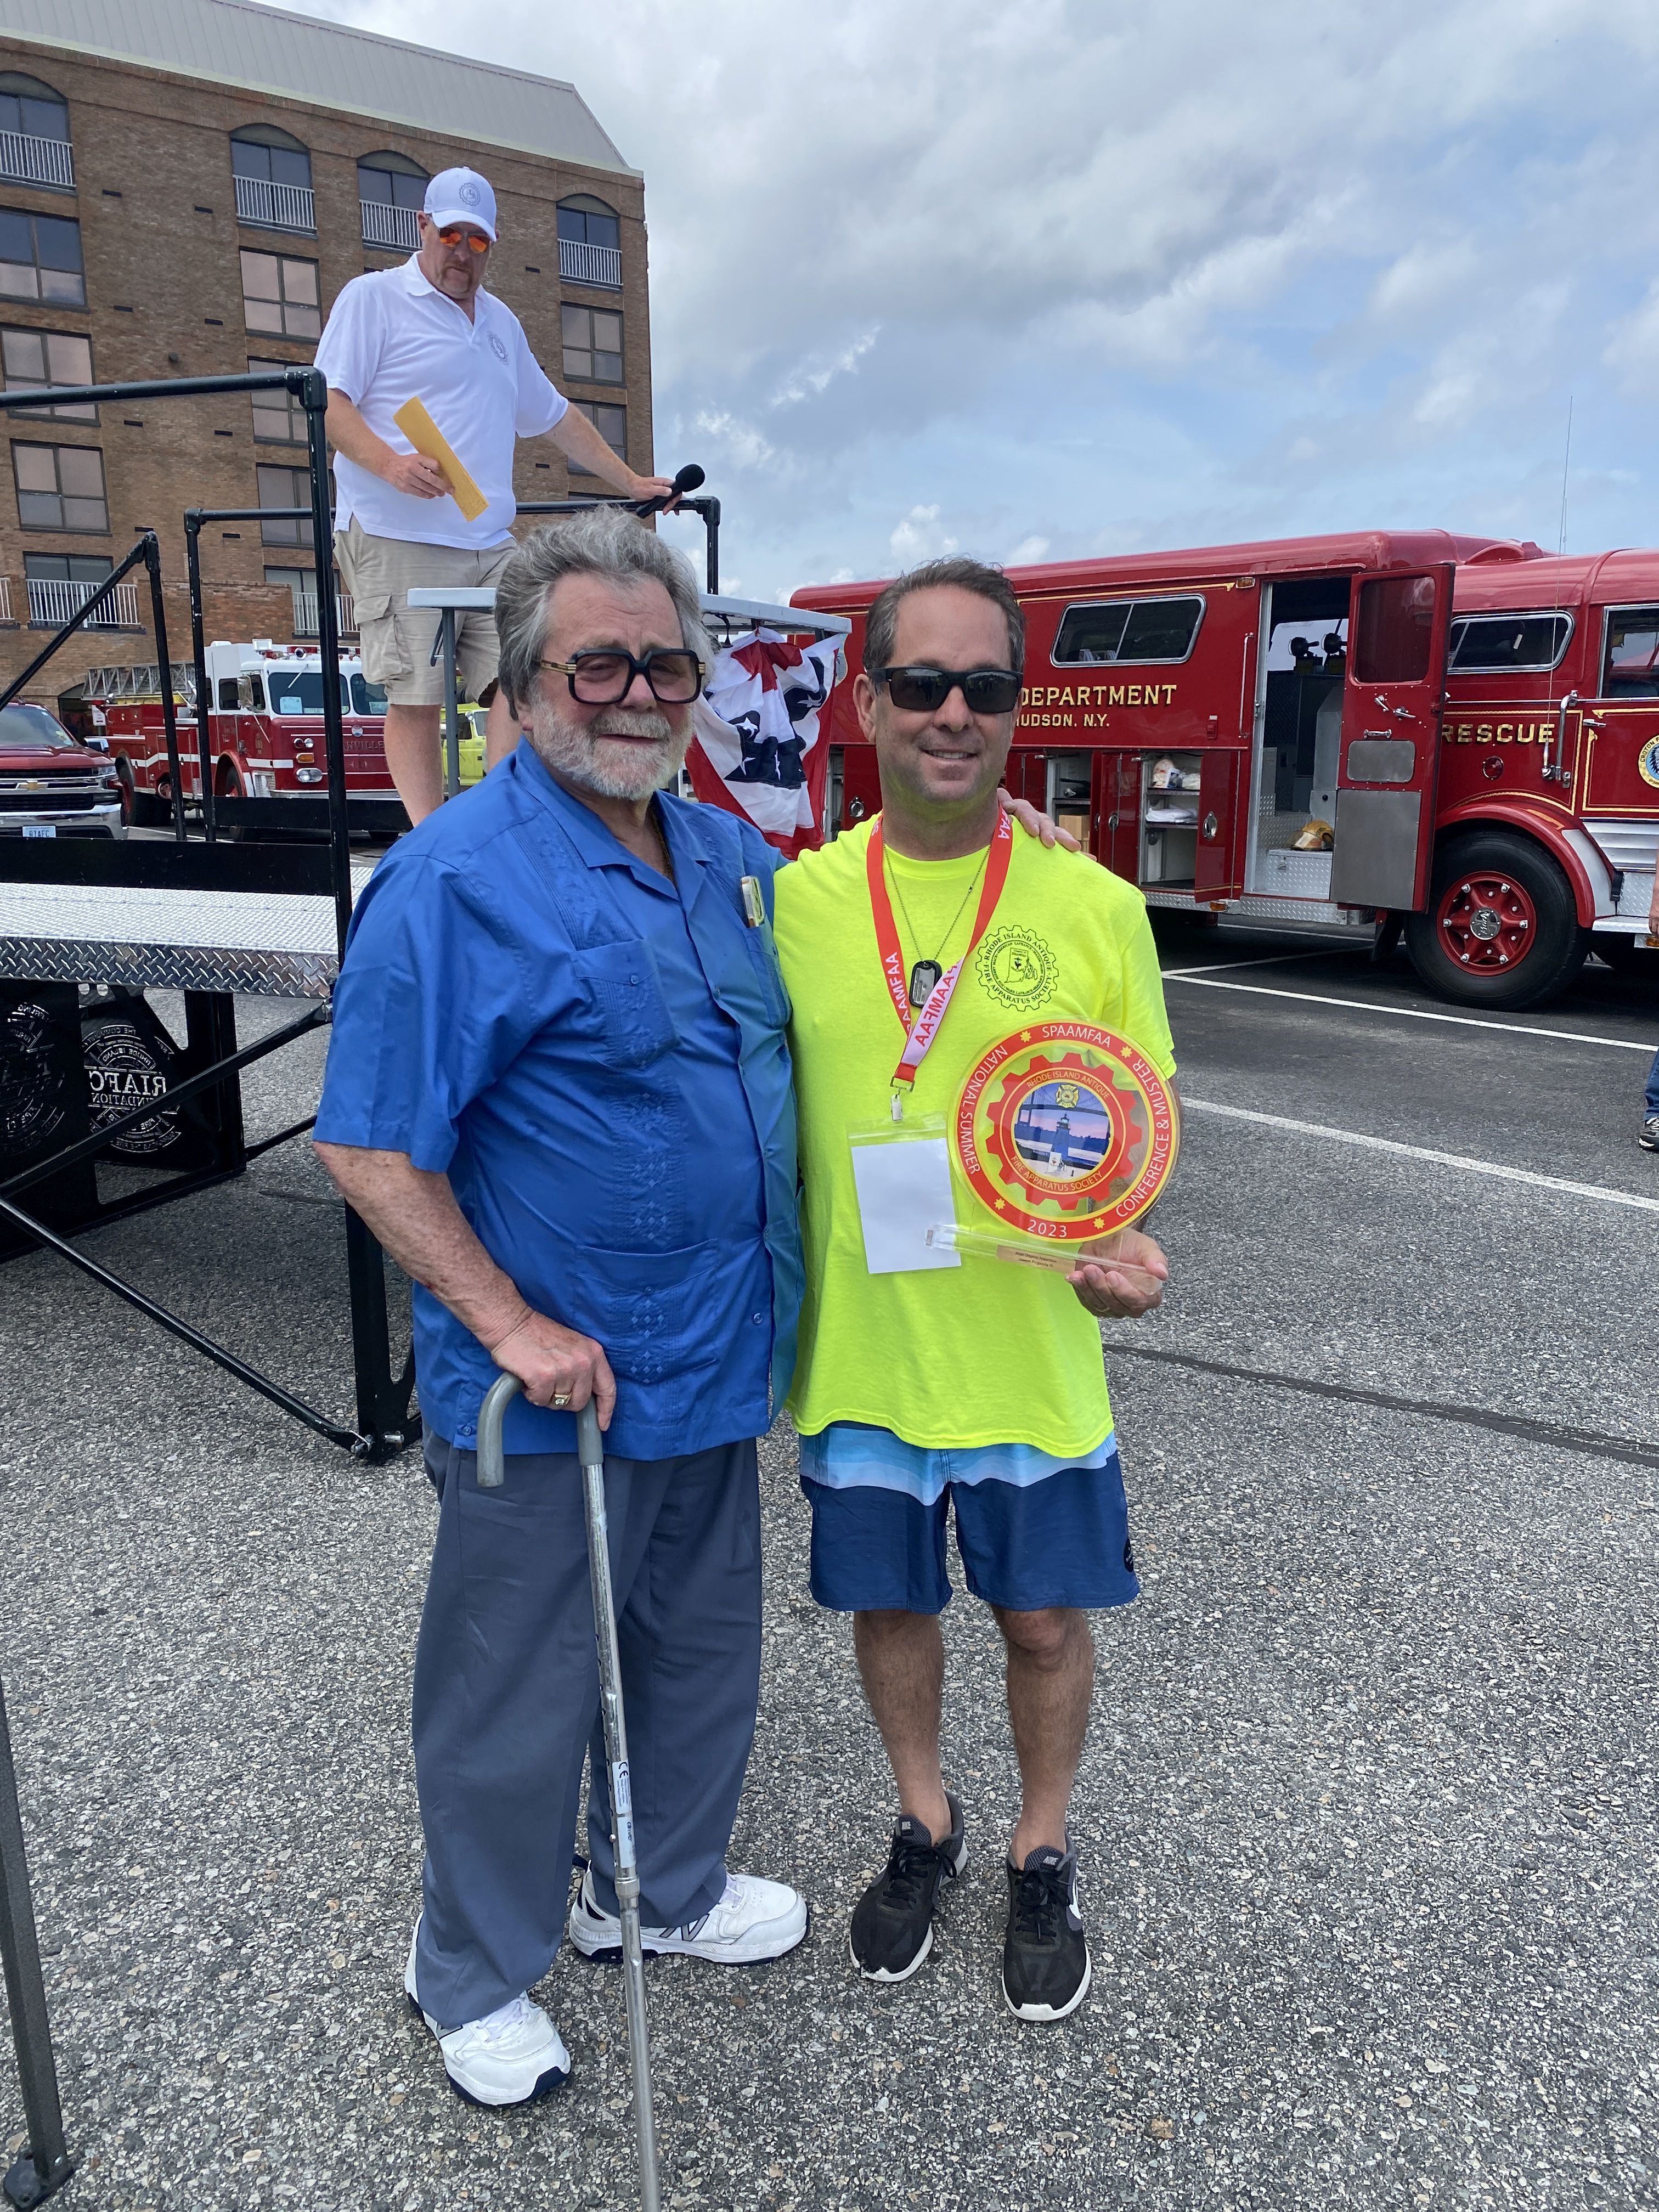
column 272, row 171
column 31, row 108
column 34, row 138
column 590, row 242
column 389, row 190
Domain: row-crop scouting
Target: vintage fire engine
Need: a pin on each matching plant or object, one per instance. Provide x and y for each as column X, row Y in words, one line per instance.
column 1456, row 736
column 265, row 720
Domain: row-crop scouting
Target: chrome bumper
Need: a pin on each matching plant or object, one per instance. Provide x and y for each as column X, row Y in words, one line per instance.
column 79, row 822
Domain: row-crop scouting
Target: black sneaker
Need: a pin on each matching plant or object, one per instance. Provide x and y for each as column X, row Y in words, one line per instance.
column 892, row 1929
column 1648, row 1138
column 1045, row 1955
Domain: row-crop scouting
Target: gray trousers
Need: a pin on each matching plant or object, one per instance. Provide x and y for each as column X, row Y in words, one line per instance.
column 506, row 1702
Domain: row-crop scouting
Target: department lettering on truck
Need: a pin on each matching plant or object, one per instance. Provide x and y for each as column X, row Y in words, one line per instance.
column 1451, row 737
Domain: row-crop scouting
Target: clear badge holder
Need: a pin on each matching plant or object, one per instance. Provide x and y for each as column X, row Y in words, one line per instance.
column 901, row 1173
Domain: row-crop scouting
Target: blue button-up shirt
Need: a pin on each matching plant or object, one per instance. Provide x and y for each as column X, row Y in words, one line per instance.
column 596, row 1058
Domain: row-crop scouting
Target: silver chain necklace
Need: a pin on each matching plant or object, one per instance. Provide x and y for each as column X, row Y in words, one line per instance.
column 924, row 973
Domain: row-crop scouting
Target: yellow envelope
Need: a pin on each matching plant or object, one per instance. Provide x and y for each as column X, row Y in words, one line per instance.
column 423, row 433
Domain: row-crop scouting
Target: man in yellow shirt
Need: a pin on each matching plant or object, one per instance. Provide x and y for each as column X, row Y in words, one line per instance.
column 927, row 1382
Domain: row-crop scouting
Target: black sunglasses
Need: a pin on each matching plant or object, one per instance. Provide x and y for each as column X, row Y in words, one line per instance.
column 603, row 677
column 925, row 691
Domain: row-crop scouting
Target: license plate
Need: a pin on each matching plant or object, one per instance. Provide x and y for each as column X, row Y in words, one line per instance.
column 40, row 829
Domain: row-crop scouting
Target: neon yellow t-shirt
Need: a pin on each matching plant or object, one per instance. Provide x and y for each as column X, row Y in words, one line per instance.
column 985, row 1353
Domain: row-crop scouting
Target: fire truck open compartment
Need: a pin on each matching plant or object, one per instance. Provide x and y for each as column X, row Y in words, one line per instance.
column 1301, row 671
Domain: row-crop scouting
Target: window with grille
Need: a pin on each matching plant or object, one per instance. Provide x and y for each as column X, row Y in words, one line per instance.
column 40, row 257
column 611, row 422
column 593, row 345
column 60, row 487
column 271, row 171
column 280, row 295
column 45, row 358
column 279, row 418
column 285, row 488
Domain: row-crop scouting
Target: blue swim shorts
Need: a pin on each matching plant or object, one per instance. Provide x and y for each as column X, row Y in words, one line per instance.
column 1034, row 1531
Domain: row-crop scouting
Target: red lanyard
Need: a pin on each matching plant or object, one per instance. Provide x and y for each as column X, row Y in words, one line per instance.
column 925, row 1027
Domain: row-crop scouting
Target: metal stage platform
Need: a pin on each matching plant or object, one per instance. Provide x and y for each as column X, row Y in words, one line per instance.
column 139, row 939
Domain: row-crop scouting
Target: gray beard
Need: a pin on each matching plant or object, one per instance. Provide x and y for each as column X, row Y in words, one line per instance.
column 577, row 752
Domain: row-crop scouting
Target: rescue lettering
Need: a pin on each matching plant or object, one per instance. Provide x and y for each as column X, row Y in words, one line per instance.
column 1499, row 733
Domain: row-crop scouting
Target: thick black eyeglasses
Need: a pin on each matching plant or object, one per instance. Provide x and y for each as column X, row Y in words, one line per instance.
column 924, row 691
column 603, row 679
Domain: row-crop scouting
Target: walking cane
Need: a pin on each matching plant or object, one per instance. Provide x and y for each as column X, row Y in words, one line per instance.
column 492, row 1471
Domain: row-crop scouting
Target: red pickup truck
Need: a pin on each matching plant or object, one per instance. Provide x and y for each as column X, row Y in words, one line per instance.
column 50, row 784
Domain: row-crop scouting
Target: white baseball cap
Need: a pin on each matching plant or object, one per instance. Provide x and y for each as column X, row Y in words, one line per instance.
column 462, row 195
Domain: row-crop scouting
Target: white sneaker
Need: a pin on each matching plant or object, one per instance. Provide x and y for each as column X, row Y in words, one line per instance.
column 754, row 1919
column 512, row 2056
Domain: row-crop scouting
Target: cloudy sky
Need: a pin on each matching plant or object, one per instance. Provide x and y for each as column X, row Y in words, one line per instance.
column 1036, row 279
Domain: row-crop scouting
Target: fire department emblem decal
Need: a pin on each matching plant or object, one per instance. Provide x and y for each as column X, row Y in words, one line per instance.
column 1017, row 967
column 1066, row 1131
column 1647, row 762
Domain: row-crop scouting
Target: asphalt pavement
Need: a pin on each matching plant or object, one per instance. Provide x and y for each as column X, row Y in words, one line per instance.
column 1367, row 1816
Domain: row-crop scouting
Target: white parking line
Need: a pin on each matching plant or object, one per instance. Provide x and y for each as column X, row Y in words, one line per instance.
column 1420, row 1152
column 1409, row 1013
column 1269, row 960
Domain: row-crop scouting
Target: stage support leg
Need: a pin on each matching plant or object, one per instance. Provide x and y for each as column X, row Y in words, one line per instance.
column 451, row 706
column 209, row 1036
column 382, row 1399
column 45, row 2165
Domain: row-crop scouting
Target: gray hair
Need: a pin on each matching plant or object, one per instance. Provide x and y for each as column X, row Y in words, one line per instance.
column 960, row 573
column 602, row 541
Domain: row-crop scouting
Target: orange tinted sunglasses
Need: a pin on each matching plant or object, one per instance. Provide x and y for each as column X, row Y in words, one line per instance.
column 455, row 235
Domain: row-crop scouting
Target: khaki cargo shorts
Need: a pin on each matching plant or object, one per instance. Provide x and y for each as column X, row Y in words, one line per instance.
column 396, row 640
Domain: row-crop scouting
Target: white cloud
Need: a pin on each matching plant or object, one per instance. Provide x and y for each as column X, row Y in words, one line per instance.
column 814, row 375
column 919, row 537
column 1103, row 278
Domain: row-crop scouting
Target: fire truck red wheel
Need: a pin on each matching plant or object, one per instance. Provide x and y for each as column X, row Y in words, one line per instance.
column 1501, row 928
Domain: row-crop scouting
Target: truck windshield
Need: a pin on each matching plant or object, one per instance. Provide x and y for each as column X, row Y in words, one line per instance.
column 32, row 729
column 300, row 691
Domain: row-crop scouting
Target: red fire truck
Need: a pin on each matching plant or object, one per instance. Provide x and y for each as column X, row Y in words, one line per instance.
column 1456, row 736
column 265, row 720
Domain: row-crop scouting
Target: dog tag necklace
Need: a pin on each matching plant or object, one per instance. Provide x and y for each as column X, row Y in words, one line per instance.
column 922, row 1024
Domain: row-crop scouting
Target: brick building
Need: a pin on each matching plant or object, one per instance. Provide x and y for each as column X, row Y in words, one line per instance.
column 185, row 186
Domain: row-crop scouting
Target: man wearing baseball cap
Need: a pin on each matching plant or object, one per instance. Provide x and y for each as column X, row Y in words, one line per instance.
column 428, row 331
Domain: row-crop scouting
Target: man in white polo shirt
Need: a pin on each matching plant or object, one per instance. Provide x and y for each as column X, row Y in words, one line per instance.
column 428, row 331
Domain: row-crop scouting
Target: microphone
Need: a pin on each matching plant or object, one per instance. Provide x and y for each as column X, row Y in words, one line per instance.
column 687, row 481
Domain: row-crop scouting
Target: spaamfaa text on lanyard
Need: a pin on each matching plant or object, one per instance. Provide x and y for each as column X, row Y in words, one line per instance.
column 920, row 1032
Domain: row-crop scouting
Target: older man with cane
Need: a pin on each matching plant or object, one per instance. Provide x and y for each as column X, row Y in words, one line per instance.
column 429, row 331
column 558, row 1091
